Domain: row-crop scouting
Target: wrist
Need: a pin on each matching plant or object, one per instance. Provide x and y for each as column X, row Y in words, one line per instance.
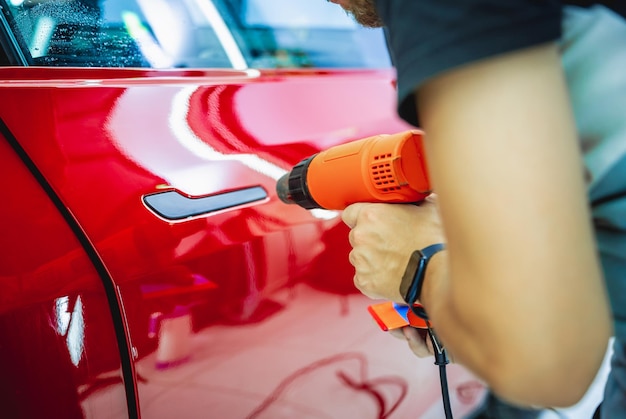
column 415, row 275
column 434, row 280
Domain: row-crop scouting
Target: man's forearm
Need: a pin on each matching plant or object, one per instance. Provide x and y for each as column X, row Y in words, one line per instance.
column 521, row 265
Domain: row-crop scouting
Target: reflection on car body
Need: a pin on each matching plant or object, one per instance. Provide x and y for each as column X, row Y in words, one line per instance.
column 112, row 309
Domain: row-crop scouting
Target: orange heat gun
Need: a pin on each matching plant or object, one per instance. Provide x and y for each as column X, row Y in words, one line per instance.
column 382, row 168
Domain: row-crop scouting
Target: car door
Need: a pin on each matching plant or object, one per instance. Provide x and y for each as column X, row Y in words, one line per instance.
column 221, row 301
column 62, row 338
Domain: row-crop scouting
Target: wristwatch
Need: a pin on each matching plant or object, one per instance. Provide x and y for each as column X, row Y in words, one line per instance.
column 413, row 278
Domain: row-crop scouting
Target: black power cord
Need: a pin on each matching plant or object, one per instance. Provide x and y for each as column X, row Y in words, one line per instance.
column 441, row 359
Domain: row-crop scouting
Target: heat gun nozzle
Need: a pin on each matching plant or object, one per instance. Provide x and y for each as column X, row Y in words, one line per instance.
column 292, row 187
column 282, row 189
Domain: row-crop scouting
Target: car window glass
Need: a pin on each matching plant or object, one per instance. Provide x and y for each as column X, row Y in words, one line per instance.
column 194, row 34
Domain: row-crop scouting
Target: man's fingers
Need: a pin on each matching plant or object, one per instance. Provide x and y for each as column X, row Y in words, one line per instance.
column 416, row 342
column 351, row 213
column 397, row 333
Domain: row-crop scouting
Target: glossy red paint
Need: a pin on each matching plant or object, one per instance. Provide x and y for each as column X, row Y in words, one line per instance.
column 245, row 312
column 58, row 345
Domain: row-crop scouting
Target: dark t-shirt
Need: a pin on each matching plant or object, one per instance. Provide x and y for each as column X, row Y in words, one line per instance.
column 443, row 34
column 429, row 37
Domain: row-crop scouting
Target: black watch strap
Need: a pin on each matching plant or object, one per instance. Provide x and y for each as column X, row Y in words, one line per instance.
column 413, row 278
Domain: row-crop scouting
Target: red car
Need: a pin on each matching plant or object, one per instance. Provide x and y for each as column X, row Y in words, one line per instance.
column 147, row 267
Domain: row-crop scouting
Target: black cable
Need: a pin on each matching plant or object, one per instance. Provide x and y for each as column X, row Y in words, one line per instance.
column 443, row 378
column 441, row 359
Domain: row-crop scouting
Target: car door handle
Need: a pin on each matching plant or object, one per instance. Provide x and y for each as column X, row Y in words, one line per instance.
column 172, row 205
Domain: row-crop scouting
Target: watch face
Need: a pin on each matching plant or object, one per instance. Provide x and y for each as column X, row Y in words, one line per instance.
column 407, row 286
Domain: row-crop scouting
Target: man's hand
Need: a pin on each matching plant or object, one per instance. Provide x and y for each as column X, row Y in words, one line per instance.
column 383, row 237
column 418, row 340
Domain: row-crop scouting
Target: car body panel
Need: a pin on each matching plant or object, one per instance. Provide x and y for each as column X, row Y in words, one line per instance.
column 58, row 343
column 249, row 311
column 244, row 309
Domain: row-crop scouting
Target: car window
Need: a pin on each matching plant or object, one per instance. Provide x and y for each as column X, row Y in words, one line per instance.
column 192, row 34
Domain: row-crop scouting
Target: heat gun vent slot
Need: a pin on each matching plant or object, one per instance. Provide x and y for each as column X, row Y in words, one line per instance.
column 383, row 177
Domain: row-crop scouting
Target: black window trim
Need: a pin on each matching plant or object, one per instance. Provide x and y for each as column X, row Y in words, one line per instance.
column 12, row 48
